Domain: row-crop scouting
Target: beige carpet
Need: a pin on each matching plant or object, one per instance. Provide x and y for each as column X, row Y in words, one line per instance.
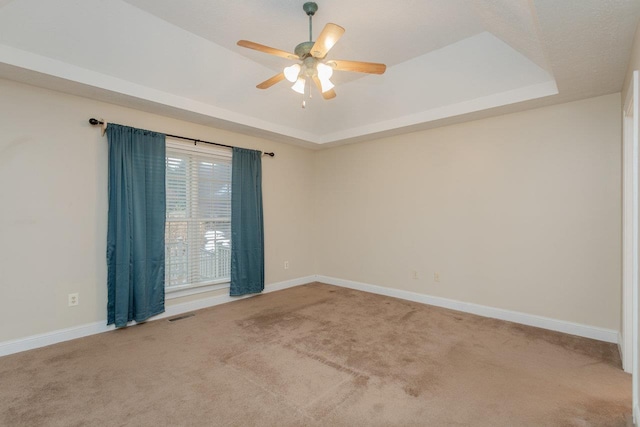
column 319, row 355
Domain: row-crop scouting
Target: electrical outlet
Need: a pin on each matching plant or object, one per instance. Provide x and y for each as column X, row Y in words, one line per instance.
column 436, row 277
column 74, row 299
column 286, row 265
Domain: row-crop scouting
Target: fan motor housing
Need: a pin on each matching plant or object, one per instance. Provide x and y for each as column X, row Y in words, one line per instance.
column 303, row 49
column 310, row 66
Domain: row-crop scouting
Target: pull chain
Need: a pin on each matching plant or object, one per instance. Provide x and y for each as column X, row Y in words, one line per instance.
column 307, row 92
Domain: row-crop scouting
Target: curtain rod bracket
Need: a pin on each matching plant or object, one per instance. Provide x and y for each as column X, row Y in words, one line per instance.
column 101, row 122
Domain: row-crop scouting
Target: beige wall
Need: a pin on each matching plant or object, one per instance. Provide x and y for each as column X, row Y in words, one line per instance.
column 53, row 206
column 520, row 212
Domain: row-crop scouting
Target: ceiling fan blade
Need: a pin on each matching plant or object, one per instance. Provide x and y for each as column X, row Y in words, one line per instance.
column 329, row 36
column 267, row 49
column 357, row 66
column 330, row 94
column 270, row 82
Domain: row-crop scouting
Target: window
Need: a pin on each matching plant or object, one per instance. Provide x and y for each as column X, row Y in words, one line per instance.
column 198, row 222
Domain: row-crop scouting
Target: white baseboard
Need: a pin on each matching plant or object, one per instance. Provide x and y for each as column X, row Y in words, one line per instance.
column 174, row 310
column 601, row 334
column 54, row 337
column 626, row 364
column 48, row 338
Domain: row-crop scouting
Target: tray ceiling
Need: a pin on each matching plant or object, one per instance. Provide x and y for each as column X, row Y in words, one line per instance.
column 448, row 60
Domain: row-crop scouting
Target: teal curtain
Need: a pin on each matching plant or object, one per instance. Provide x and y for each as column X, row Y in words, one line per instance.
column 247, row 229
column 135, row 238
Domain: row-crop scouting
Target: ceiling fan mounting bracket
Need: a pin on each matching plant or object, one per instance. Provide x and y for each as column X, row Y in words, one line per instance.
column 310, row 8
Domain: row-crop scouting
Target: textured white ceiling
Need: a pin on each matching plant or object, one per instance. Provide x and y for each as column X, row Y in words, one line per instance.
column 447, row 59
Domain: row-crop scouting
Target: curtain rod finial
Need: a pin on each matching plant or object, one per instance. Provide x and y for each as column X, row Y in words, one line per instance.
column 95, row 122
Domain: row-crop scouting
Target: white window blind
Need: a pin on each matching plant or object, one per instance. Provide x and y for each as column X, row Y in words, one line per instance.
column 198, row 222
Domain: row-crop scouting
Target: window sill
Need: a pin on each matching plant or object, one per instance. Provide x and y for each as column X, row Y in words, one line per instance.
column 194, row 290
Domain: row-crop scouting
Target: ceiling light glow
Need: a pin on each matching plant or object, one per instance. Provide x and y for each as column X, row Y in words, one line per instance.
column 291, row 73
column 325, row 85
column 324, row 71
column 299, row 86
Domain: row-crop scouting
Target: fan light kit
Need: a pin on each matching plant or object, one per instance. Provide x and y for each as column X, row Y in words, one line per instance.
column 313, row 65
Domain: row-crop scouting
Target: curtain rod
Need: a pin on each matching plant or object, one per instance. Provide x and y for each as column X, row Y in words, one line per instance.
column 95, row 122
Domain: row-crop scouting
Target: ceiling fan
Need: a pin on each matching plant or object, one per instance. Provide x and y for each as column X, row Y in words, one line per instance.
column 313, row 65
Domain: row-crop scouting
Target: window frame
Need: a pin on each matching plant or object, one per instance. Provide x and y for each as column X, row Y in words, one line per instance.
column 194, row 289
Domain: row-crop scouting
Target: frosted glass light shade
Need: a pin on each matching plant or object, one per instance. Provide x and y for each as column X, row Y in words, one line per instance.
column 291, row 72
column 324, row 71
column 325, row 84
column 299, row 86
